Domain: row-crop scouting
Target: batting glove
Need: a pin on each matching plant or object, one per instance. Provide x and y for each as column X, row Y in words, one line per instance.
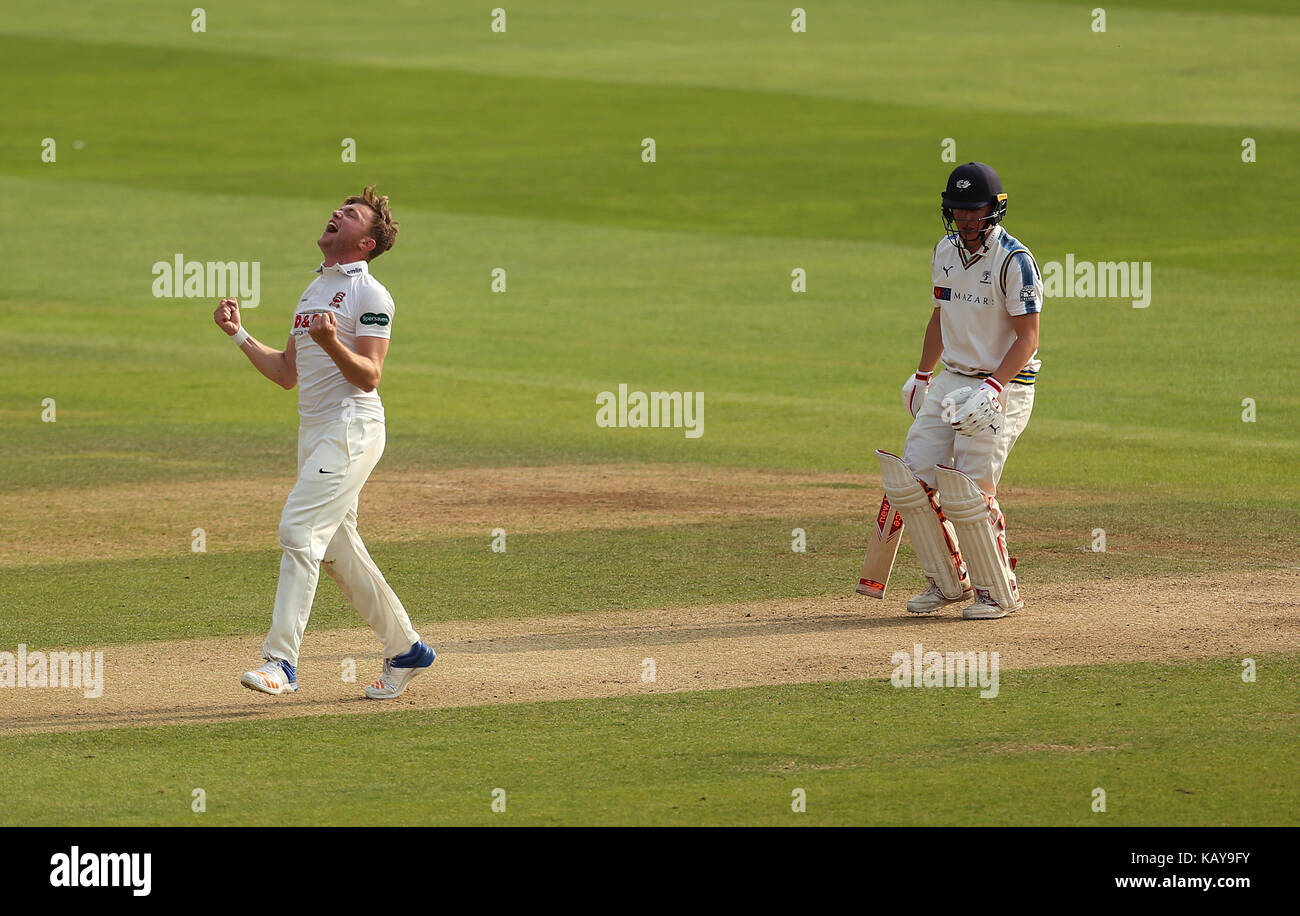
column 981, row 411
column 914, row 391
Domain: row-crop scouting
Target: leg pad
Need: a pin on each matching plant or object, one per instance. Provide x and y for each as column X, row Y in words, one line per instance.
column 982, row 530
column 931, row 533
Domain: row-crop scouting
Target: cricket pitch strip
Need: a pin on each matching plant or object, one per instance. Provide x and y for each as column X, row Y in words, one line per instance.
column 601, row 654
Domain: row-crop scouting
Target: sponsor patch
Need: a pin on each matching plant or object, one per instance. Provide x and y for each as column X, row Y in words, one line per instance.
column 943, row 292
column 1028, row 294
column 378, row 319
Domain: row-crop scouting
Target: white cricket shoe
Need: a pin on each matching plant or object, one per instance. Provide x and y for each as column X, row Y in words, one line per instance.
column 932, row 599
column 985, row 608
column 276, row 676
column 399, row 670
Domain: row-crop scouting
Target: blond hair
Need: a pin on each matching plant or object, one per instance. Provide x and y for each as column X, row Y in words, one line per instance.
column 383, row 228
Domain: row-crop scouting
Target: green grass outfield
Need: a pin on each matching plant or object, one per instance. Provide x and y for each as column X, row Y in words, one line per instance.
column 775, row 151
column 676, row 275
column 1165, row 741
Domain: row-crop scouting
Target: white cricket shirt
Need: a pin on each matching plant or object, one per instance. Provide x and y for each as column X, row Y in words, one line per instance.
column 978, row 295
column 362, row 308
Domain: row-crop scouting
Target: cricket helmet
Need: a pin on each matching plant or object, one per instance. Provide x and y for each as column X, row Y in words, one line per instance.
column 970, row 187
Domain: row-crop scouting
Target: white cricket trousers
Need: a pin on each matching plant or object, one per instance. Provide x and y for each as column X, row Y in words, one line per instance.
column 319, row 525
column 981, row 457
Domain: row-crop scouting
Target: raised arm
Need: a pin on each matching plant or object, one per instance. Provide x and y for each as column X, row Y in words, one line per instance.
column 363, row 366
column 280, row 366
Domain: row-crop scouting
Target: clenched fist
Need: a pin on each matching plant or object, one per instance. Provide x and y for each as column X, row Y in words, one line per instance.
column 227, row 316
column 323, row 329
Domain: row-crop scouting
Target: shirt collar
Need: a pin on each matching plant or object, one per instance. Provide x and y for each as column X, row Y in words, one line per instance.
column 989, row 240
column 354, row 269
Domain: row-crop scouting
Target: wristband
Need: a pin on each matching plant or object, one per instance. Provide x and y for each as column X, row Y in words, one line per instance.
column 923, row 376
column 240, row 336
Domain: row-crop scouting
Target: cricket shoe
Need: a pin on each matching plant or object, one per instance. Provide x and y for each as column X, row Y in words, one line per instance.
column 985, row 608
column 932, row 599
column 399, row 670
column 276, row 676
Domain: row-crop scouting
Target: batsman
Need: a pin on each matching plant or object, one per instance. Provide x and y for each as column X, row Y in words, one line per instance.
column 988, row 293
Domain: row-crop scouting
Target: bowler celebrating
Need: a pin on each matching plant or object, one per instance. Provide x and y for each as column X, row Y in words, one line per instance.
column 988, row 293
column 335, row 355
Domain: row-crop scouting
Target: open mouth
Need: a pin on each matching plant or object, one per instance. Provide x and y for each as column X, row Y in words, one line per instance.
column 331, row 226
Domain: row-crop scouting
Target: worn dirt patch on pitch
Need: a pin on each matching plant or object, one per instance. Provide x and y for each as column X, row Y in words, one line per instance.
column 151, row 520
column 1052, row 748
column 484, row 662
column 143, row 520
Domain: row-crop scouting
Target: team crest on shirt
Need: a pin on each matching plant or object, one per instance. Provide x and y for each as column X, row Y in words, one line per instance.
column 988, row 277
column 337, row 300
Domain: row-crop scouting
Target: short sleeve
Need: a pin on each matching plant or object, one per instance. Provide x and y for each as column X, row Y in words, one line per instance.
column 375, row 317
column 1022, row 284
column 941, row 292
